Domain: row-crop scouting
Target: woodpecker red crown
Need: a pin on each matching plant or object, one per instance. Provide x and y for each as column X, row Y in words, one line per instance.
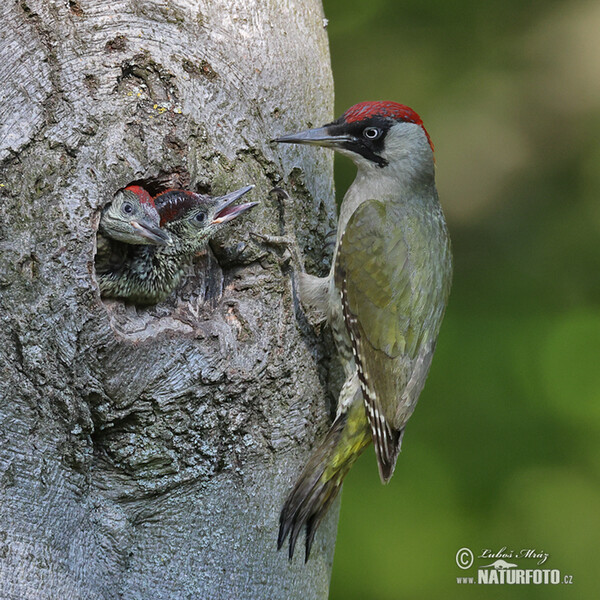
column 392, row 110
column 141, row 193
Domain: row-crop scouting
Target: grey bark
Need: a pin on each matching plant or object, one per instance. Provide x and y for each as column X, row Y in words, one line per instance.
column 146, row 453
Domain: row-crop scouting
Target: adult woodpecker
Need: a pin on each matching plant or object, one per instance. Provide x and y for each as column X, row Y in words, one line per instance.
column 132, row 218
column 150, row 273
column 384, row 297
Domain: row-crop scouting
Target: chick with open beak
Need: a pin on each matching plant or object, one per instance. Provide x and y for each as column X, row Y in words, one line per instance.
column 150, row 273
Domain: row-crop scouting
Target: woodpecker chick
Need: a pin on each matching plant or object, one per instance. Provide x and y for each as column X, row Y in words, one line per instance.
column 384, row 298
column 132, row 218
column 150, row 273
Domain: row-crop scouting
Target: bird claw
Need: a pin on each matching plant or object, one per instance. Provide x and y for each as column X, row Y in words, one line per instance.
column 288, row 247
column 273, row 240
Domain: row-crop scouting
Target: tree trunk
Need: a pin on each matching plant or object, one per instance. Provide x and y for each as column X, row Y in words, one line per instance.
column 146, row 452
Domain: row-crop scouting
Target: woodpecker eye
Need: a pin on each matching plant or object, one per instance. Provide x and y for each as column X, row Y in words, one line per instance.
column 127, row 208
column 372, row 133
column 199, row 218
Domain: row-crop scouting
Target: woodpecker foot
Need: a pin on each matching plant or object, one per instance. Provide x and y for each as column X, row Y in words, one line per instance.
column 283, row 243
column 287, row 247
column 280, row 241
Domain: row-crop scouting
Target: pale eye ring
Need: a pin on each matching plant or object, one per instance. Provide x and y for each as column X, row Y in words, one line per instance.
column 372, row 133
column 127, row 208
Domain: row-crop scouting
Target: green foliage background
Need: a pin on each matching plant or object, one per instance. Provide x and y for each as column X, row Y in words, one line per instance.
column 503, row 449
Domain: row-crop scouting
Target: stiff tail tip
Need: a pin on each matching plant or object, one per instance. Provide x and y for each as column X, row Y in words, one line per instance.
column 321, row 479
column 387, row 452
column 312, row 495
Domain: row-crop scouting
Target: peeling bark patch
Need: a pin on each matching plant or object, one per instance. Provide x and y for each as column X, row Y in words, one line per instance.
column 75, row 8
column 117, row 44
column 91, row 83
column 207, row 70
column 143, row 72
column 29, row 268
column 203, row 69
column 174, row 143
column 190, row 67
column 28, row 12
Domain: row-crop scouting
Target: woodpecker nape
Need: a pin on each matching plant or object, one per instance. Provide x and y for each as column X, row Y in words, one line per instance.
column 132, row 218
column 148, row 274
column 384, row 297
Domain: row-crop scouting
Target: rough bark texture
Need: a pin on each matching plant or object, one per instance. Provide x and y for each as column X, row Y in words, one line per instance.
column 146, row 453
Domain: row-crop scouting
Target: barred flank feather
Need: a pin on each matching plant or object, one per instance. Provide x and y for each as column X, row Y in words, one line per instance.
column 323, row 475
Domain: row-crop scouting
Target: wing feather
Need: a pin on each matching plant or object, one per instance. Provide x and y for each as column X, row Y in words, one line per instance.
column 389, row 303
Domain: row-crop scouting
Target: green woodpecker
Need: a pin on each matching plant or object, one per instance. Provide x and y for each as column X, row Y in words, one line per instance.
column 148, row 274
column 132, row 218
column 384, row 297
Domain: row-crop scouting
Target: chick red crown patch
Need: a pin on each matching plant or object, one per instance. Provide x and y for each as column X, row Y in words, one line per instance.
column 393, row 110
column 141, row 193
column 172, row 204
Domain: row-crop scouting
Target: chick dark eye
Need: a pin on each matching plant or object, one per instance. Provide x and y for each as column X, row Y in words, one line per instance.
column 372, row 133
column 127, row 208
column 199, row 218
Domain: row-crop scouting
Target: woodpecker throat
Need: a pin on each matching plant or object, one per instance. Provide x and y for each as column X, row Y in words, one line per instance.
column 384, row 297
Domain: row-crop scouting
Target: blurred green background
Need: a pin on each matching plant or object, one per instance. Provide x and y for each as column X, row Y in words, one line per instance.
column 503, row 449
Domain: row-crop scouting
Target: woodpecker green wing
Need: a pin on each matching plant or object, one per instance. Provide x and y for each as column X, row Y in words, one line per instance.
column 389, row 288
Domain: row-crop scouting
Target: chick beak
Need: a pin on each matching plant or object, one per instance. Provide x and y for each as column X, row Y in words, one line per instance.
column 154, row 235
column 225, row 211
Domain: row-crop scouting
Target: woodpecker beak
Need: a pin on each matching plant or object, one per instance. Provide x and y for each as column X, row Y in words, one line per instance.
column 153, row 234
column 321, row 136
column 225, row 211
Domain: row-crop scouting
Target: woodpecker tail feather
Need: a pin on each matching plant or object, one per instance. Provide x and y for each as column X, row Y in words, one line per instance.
column 387, row 448
column 386, row 439
column 322, row 477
